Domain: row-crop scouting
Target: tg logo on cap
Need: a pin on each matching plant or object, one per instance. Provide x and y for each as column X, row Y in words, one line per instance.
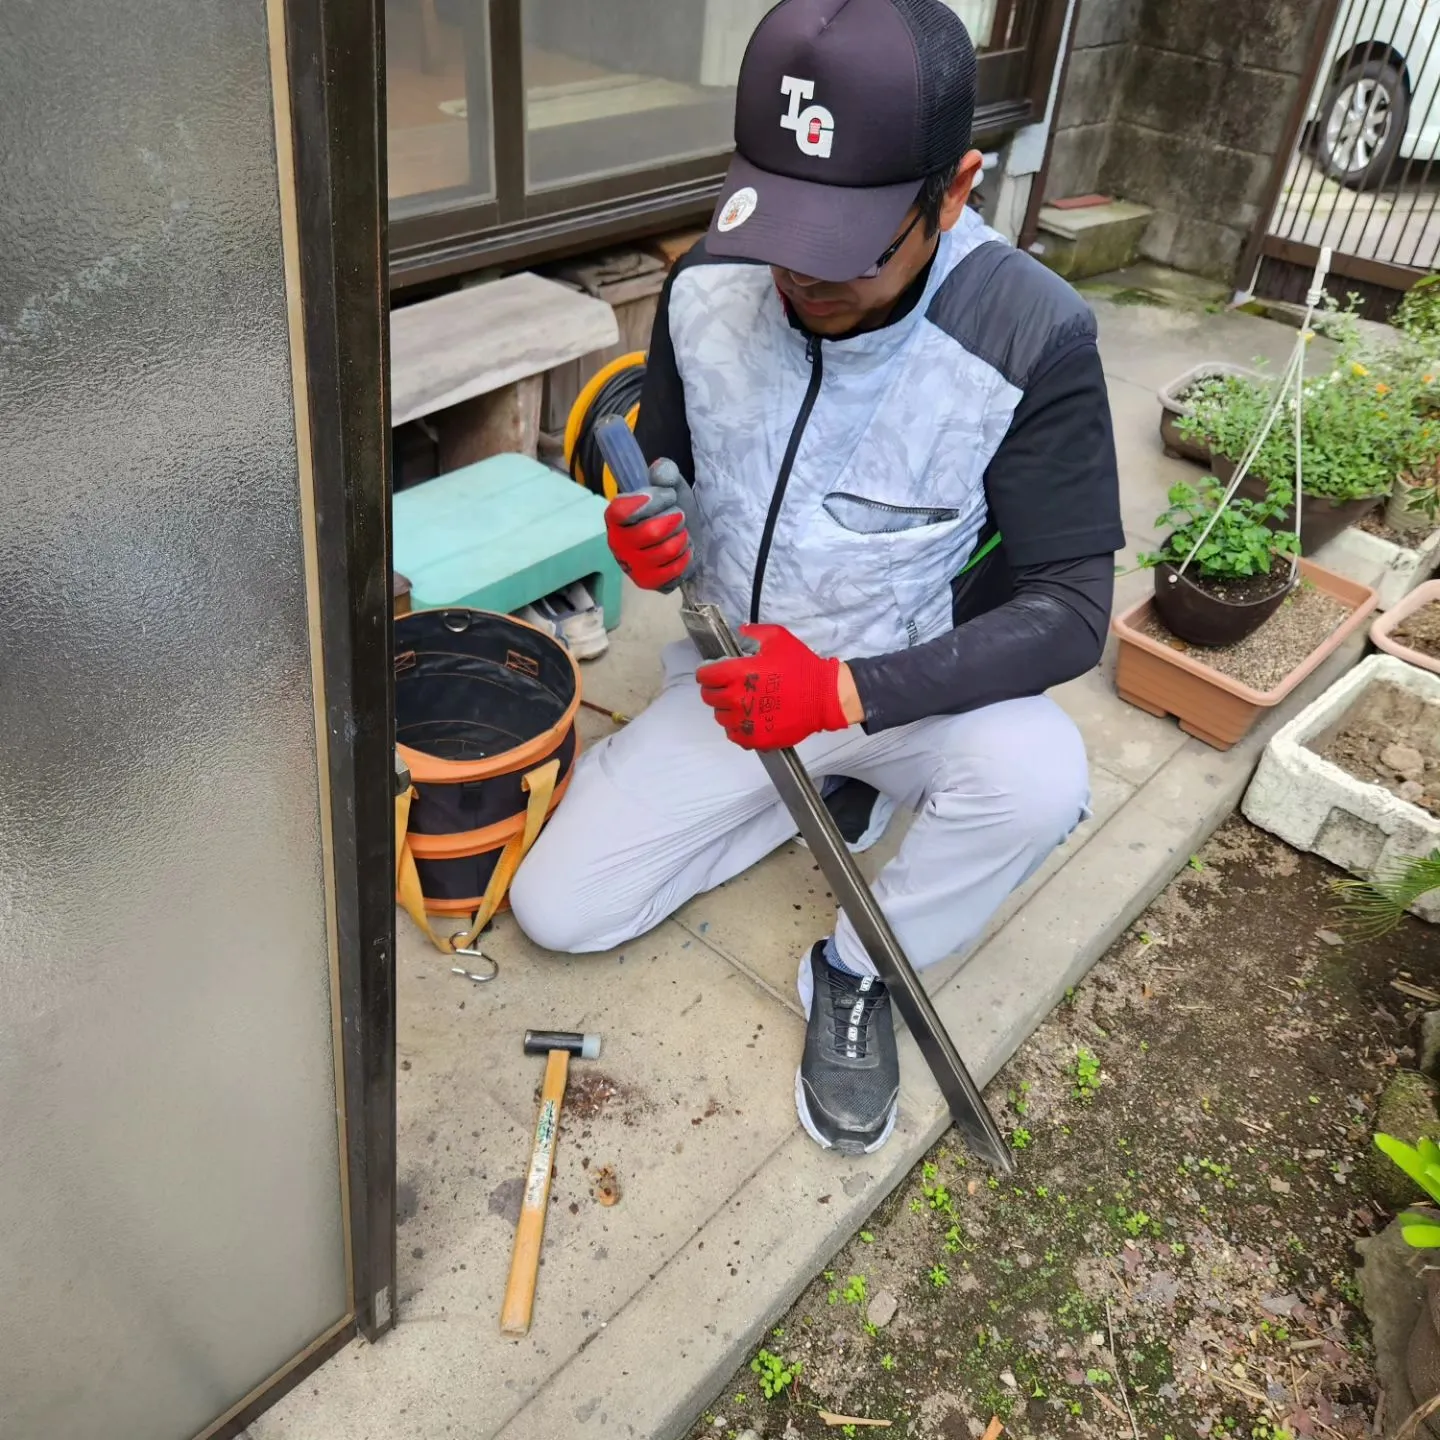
column 814, row 126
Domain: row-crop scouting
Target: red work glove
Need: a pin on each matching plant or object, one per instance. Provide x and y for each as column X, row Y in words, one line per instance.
column 777, row 696
column 647, row 533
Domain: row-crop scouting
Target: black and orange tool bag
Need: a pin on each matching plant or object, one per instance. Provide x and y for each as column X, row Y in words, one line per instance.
column 485, row 721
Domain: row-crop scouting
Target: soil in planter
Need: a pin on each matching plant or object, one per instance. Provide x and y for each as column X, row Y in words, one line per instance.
column 1263, row 659
column 1421, row 631
column 1374, row 524
column 1245, row 591
column 1390, row 737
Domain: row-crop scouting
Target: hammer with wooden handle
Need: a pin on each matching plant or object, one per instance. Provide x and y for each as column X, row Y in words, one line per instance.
column 558, row 1046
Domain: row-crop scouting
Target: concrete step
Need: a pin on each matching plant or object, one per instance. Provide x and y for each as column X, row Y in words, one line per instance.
column 1092, row 241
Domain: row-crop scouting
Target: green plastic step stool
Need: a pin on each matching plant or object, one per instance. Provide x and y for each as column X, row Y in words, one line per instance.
column 499, row 534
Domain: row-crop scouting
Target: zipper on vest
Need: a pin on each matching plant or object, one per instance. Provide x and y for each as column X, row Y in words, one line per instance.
column 812, row 354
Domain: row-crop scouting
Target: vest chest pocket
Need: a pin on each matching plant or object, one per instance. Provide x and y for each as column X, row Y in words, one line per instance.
column 863, row 516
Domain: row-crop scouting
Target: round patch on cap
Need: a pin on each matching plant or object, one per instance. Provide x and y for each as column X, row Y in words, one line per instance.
column 737, row 209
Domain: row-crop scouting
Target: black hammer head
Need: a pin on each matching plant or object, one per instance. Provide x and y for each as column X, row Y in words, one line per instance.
column 542, row 1042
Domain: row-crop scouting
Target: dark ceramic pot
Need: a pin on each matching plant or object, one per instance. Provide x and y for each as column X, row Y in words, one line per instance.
column 1195, row 615
column 1422, row 1359
column 1321, row 519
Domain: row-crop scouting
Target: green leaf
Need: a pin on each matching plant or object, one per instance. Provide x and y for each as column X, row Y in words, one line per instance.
column 1421, row 1230
column 1408, row 1158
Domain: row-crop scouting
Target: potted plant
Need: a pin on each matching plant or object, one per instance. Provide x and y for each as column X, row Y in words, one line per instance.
column 1420, row 1228
column 1222, row 571
column 1177, row 399
column 1363, row 424
column 1414, row 506
column 1218, row 694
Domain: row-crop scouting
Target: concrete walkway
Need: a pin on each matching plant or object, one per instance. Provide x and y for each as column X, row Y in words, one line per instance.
column 727, row 1209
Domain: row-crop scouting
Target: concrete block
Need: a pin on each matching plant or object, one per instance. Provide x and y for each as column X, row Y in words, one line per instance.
column 1194, row 29
column 1393, row 571
column 1092, row 85
column 1092, row 241
column 1200, row 246
column 1252, row 108
column 1173, row 92
column 1314, row 805
column 1186, row 174
column 1105, row 22
column 1076, row 158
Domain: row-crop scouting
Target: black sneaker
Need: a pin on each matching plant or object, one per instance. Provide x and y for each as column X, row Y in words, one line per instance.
column 860, row 812
column 848, row 1085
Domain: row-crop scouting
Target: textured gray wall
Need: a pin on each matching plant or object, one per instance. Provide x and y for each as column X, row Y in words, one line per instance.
column 1181, row 107
column 170, row 1223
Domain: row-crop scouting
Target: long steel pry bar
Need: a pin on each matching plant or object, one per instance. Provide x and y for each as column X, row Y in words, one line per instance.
column 715, row 640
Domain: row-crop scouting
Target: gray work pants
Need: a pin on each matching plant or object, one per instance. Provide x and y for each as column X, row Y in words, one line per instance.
column 668, row 807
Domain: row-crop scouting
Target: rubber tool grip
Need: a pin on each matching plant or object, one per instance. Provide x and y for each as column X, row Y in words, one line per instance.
column 622, row 454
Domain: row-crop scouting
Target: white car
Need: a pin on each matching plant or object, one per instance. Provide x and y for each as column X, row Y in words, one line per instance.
column 1377, row 101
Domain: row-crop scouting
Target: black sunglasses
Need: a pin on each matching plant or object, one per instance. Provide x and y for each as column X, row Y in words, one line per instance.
column 890, row 251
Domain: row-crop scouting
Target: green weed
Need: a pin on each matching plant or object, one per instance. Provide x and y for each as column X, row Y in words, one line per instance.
column 1084, row 1070
column 939, row 1276
column 775, row 1372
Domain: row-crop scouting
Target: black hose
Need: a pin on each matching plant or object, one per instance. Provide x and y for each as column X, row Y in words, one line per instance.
column 617, row 396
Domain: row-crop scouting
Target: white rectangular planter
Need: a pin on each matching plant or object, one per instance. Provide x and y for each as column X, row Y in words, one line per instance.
column 1314, row 805
column 1391, row 570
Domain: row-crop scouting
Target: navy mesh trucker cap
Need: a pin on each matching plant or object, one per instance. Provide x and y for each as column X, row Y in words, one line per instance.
column 842, row 108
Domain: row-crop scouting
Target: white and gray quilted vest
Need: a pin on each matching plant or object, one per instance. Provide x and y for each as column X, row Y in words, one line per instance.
column 840, row 483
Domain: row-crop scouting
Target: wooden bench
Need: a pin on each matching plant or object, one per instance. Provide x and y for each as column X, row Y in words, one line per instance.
column 474, row 361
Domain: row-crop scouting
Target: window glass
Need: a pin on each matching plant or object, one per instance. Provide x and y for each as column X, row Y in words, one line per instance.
column 619, row 85
column 437, row 76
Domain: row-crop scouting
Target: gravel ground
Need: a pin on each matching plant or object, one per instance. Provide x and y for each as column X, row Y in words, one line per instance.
column 1263, row 659
column 1174, row 1258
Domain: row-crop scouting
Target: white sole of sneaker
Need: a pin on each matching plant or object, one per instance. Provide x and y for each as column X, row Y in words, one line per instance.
column 808, row 1125
column 585, row 635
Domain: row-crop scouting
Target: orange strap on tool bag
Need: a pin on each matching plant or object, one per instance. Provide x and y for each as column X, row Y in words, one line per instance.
column 484, row 720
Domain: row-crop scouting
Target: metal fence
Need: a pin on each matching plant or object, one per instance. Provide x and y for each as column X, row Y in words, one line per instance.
column 1359, row 172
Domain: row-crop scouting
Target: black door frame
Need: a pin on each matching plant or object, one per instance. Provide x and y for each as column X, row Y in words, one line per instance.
column 338, row 281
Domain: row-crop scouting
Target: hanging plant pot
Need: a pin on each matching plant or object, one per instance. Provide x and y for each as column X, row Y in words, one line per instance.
column 1175, row 404
column 1198, row 614
column 1321, row 518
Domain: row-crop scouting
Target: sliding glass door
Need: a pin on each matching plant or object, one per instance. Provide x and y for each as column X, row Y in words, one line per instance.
column 518, row 128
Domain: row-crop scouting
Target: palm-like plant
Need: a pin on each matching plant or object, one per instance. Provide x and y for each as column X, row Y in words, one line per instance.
column 1375, row 907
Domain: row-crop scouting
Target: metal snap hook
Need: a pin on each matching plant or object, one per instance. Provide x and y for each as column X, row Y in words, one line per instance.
column 470, row 974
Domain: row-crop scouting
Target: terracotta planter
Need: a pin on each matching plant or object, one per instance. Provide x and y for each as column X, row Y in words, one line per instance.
column 1380, row 630
column 1422, row 1358
column 1194, row 614
column 1173, row 408
column 1321, row 518
column 1210, row 706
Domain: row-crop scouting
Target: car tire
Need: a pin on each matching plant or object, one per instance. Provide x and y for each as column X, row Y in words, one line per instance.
column 1361, row 124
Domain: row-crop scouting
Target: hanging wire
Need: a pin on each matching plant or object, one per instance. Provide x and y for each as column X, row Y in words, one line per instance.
column 1293, row 374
